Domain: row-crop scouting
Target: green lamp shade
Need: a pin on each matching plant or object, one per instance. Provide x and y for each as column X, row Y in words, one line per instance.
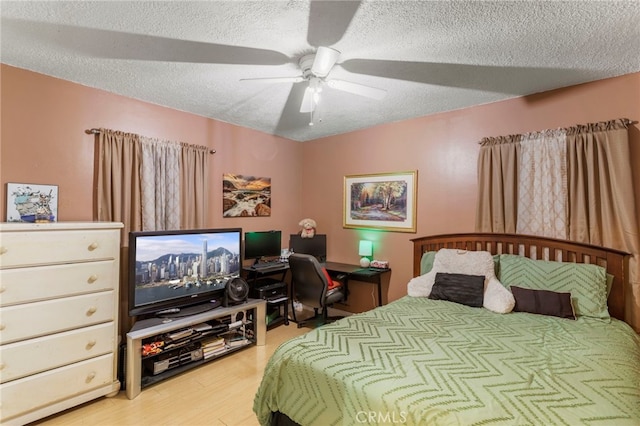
column 365, row 248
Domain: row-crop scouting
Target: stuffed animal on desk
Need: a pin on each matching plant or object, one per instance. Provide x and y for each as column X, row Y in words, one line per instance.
column 308, row 228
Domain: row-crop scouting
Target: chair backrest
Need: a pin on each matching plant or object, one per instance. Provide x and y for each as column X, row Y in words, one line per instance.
column 316, row 246
column 308, row 280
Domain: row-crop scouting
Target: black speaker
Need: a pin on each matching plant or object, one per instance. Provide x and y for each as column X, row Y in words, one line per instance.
column 235, row 292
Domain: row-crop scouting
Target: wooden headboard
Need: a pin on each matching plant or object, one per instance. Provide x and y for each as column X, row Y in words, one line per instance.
column 616, row 262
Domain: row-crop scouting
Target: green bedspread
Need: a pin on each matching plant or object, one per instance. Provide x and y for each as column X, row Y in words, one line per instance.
column 420, row 361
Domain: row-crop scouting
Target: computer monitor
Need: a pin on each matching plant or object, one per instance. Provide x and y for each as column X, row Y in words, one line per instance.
column 262, row 244
column 316, row 246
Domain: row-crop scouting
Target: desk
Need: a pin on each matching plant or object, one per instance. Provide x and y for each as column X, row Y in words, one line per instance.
column 275, row 291
column 354, row 272
column 358, row 273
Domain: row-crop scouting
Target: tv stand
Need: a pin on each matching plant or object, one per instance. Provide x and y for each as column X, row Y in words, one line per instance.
column 184, row 343
column 189, row 310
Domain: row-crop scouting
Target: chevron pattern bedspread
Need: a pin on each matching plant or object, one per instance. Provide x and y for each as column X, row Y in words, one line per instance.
column 425, row 362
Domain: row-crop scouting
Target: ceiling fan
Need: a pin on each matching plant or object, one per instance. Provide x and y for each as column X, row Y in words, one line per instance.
column 315, row 69
column 327, row 24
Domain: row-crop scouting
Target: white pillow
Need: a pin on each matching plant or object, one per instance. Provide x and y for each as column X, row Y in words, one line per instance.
column 496, row 297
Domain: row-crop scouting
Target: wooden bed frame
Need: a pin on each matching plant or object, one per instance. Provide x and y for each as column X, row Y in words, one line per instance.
column 616, row 262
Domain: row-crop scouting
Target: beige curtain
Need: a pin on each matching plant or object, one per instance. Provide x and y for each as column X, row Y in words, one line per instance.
column 118, row 180
column 118, row 200
column 601, row 196
column 194, row 191
column 160, row 184
column 498, row 184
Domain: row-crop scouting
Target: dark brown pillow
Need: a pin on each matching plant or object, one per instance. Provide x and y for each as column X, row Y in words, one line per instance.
column 460, row 288
column 543, row 302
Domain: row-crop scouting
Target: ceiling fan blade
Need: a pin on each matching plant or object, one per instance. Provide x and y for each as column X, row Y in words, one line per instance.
column 325, row 59
column 290, row 118
column 307, row 105
column 111, row 44
column 329, row 20
column 358, row 89
column 275, row 79
column 491, row 78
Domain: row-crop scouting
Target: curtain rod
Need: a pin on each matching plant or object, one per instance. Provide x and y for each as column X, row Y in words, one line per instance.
column 97, row 131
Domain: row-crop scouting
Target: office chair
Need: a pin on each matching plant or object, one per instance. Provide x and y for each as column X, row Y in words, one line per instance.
column 311, row 287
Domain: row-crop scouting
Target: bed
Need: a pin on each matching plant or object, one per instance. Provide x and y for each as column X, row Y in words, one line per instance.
column 423, row 361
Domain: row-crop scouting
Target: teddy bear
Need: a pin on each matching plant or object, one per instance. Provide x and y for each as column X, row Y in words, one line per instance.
column 308, row 228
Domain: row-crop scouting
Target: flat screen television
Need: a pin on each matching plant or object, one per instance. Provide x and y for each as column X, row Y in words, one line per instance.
column 181, row 270
column 262, row 244
column 316, row 246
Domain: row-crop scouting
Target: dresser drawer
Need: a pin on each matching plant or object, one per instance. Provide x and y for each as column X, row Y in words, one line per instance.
column 33, row 392
column 22, row 285
column 32, row 356
column 35, row 248
column 21, row 322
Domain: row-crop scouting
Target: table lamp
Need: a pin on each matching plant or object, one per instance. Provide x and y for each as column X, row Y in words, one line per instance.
column 365, row 249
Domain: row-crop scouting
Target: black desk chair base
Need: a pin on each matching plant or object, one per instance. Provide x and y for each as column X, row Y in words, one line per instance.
column 318, row 319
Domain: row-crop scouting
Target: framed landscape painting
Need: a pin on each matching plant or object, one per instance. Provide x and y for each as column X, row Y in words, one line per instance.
column 384, row 201
column 245, row 196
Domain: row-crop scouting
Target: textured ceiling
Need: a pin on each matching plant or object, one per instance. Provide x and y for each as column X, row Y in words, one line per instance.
column 429, row 56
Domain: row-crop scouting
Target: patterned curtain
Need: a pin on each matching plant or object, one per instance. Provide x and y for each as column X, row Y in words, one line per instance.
column 542, row 184
column 160, row 184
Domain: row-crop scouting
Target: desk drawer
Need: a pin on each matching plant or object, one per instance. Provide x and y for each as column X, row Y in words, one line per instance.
column 36, row 248
column 20, row 322
column 33, row 392
column 21, row 285
column 32, row 356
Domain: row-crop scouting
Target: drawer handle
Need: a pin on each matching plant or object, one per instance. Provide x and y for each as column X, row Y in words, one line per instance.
column 3, row 250
column 92, row 279
column 91, row 376
column 92, row 310
column 91, row 343
column 93, row 246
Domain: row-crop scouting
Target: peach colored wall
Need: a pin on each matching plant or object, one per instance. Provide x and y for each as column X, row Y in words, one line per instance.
column 443, row 148
column 44, row 141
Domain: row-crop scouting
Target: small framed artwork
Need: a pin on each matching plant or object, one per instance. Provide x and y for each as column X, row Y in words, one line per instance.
column 385, row 201
column 28, row 202
column 245, row 196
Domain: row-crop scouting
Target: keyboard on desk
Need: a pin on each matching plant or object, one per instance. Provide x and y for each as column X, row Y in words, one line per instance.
column 265, row 266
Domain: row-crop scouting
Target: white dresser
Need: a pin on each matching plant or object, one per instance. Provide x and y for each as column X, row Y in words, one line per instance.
column 58, row 316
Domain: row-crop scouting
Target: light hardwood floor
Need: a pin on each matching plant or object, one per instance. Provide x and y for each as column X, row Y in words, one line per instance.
column 220, row 392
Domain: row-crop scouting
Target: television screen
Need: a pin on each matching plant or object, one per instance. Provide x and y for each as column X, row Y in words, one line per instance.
column 316, row 246
column 262, row 244
column 174, row 269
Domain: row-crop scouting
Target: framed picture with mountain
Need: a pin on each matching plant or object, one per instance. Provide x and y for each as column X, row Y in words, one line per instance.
column 245, row 196
column 385, row 201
